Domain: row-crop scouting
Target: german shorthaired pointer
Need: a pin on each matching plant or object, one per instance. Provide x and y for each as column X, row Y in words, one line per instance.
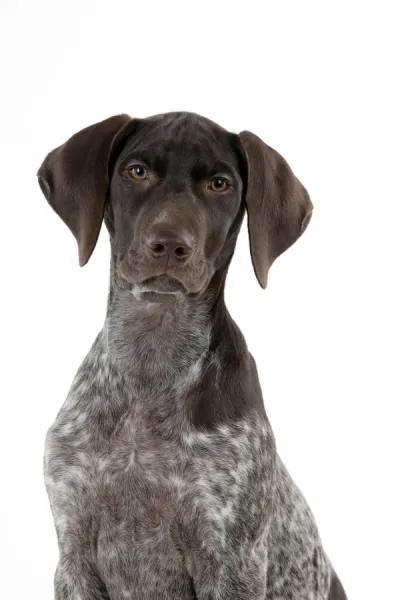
column 161, row 467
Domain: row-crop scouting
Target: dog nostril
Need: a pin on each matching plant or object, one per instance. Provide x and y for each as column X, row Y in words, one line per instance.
column 180, row 251
column 157, row 249
column 177, row 249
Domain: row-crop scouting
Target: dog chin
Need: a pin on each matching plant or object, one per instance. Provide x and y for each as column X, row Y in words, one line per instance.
column 158, row 289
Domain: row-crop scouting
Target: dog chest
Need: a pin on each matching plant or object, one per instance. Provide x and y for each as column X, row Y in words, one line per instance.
column 152, row 477
column 138, row 502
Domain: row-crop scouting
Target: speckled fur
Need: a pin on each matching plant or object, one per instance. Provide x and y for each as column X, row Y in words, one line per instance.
column 145, row 504
column 151, row 499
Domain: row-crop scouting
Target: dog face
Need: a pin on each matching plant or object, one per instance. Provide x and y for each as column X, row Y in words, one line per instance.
column 173, row 189
column 175, row 203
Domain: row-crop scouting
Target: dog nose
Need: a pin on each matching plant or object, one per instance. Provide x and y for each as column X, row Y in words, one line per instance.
column 179, row 248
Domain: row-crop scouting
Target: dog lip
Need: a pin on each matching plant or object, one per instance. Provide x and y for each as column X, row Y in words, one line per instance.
column 162, row 284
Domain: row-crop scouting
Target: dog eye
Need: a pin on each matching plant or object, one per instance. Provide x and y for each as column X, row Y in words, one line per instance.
column 218, row 184
column 139, row 172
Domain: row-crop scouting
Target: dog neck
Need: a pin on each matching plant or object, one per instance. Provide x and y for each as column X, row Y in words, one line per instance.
column 157, row 343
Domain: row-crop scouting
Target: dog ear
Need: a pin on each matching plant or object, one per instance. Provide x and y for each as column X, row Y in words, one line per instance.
column 74, row 179
column 278, row 206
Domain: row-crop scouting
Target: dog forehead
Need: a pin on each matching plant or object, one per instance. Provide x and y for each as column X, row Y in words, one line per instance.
column 186, row 136
column 185, row 125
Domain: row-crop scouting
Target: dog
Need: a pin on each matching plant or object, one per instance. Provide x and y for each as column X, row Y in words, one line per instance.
column 161, row 467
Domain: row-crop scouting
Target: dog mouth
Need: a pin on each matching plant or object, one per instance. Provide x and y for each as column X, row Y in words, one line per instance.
column 155, row 282
column 159, row 287
column 163, row 284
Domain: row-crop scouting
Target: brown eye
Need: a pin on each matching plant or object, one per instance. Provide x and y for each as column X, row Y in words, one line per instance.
column 218, row 184
column 139, row 172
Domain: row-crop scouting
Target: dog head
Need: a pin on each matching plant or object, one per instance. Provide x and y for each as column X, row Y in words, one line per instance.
column 172, row 190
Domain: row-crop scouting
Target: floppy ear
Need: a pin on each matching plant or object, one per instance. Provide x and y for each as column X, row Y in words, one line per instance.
column 74, row 179
column 278, row 206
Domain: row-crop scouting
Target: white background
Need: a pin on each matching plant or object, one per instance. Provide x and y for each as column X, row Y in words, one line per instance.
column 315, row 80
